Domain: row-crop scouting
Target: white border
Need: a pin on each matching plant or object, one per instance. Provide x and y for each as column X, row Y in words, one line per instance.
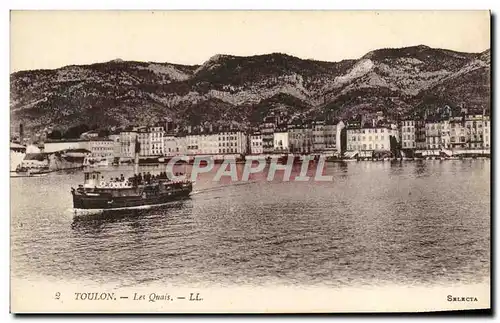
column 185, row 5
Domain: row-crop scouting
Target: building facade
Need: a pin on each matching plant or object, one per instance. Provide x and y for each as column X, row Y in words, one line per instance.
column 60, row 145
column 101, row 148
column 318, row 133
column 300, row 139
column 127, row 143
column 156, row 137
column 433, row 134
column 281, row 142
column 408, row 134
column 169, row 146
column 233, row 142
column 144, row 139
column 267, row 130
column 180, row 145
column 115, row 138
column 327, row 136
column 256, row 143
column 371, row 139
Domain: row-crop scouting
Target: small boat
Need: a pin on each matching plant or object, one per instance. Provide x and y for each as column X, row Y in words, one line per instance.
column 125, row 193
column 136, row 191
column 30, row 172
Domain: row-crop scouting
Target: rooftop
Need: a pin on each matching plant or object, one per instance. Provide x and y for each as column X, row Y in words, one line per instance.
column 35, row 156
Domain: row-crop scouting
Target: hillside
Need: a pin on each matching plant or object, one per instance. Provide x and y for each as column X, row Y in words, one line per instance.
column 231, row 89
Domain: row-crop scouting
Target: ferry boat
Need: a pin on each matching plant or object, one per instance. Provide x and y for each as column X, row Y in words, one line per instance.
column 135, row 192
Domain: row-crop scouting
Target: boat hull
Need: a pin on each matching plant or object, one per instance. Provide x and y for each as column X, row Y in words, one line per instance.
column 108, row 202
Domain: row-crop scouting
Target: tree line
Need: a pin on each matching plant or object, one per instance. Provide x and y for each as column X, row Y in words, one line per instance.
column 75, row 132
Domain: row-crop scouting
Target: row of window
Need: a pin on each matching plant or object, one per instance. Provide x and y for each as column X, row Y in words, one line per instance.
column 376, row 130
column 101, row 148
column 366, row 147
column 228, row 144
column 359, row 138
column 227, row 138
column 228, row 150
column 409, row 144
column 97, row 143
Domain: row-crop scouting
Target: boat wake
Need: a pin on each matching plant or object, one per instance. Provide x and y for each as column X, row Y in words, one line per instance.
column 221, row 187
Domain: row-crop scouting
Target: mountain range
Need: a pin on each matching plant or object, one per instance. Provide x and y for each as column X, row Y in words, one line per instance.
column 243, row 90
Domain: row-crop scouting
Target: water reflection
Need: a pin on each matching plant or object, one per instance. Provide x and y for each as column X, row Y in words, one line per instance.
column 95, row 222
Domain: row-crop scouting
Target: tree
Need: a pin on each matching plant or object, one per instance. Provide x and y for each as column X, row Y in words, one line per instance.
column 103, row 133
column 76, row 131
column 55, row 134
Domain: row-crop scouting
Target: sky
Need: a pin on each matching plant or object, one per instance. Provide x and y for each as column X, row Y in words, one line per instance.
column 52, row 39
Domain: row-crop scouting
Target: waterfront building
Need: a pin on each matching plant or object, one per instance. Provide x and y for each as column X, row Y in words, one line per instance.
column 156, row 138
column 327, row 136
column 193, row 144
column 433, row 134
column 233, row 142
column 319, row 129
column 487, row 133
column 51, row 146
column 209, row 143
column 300, row 139
column 115, row 138
column 281, row 141
column 474, row 129
column 457, row 133
column 127, row 139
column 256, row 143
column 408, row 134
column 169, row 145
column 144, row 139
column 180, row 145
column 267, row 130
column 332, row 136
column 420, row 142
column 373, row 139
column 101, row 148
column 445, row 133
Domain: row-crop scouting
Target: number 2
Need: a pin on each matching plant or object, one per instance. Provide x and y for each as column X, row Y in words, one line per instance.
column 58, row 295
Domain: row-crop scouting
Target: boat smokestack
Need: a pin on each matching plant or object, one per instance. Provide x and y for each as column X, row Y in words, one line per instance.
column 136, row 156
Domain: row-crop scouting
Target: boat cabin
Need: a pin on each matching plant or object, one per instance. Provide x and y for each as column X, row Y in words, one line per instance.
column 92, row 179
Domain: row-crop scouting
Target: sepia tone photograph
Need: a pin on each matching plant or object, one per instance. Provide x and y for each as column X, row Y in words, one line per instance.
column 250, row 161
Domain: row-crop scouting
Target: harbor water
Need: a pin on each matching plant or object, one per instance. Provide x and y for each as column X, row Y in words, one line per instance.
column 375, row 223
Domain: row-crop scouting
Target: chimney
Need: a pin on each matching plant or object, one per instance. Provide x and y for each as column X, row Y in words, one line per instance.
column 189, row 129
column 373, row 123
column 210, row 127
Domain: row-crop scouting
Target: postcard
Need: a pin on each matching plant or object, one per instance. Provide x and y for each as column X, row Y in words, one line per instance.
column 250, row 161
